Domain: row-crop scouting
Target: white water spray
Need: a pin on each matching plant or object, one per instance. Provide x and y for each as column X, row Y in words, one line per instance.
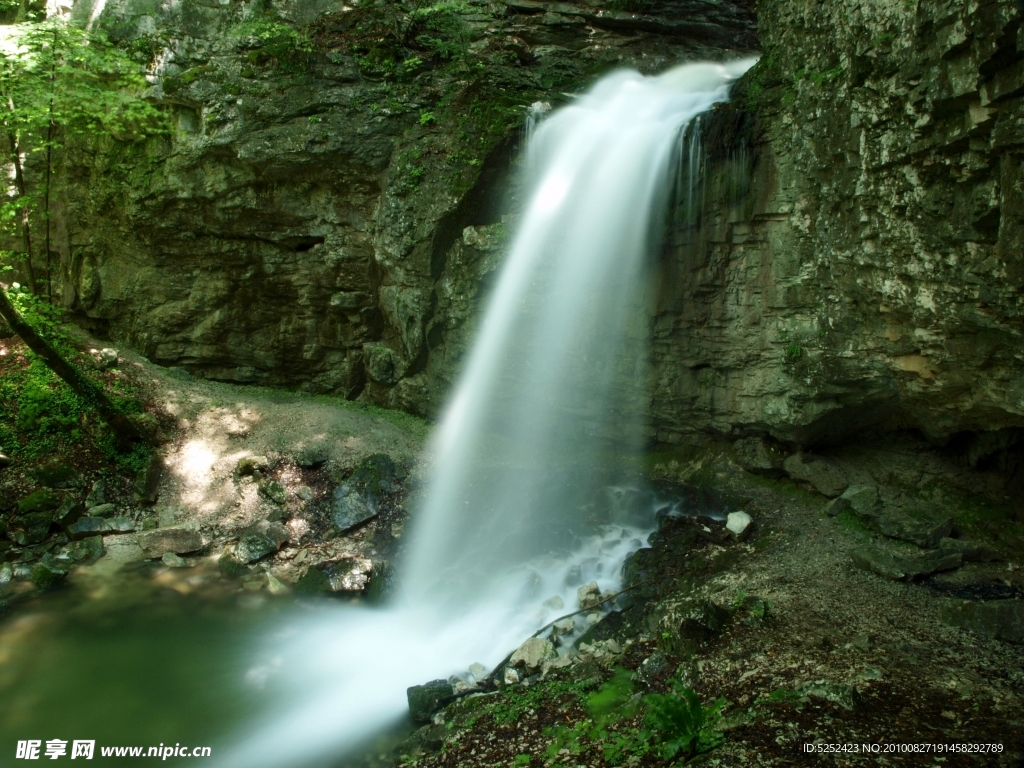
column 548, row 405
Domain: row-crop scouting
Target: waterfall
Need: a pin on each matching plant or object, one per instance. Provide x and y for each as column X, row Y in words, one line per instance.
column 547, row 411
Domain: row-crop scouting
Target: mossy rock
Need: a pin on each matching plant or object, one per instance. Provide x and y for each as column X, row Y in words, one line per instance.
column 40, row 501
column 47, row 576
column 56, row 475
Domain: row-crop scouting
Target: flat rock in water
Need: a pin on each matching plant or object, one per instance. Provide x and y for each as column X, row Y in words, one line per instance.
column 425, row 700
column 122, row 548
column 261, row 539
column 821, row 473
column 531, row 654
column 89, row 548
column 180, row 541
column 1001, row 619
column 903, row 567
column 349, row 574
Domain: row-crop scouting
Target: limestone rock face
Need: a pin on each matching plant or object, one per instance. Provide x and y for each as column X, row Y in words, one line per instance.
column 856, row 259
column 320, row 221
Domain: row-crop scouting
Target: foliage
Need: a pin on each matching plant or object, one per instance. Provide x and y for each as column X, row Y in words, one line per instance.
column 683, row 722
column 59, row 82
column 278, row 44
column 439, row 30
column 41, row 415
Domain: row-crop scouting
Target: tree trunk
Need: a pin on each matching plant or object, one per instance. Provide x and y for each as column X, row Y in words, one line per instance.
column 19, row 185
column 125, row 432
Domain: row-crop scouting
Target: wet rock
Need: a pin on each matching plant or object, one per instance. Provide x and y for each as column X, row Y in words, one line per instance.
column 97, row 495
column 924, row 533
column 819, row 472
column 904, row 567
column 249, row 465
column 48, row 575
column 89, row 548
column 260, row 539
column 29, row 528
column 122, row 548
column 69, row 510
column 6, row 573
column 180, row 541
column 349, row 508
column 588, row 595
column 349, row 574
column 56, row 475
column 759, row 456
column 510, row 676
column 478, row 671
column 1000, row 619
column 425, row 700
column 738, row 523
column 172, row 560
column 970, row 551
column 275, row 586
column 102, row 510
column 147, row 481
column 312, row 456
column 229, row 565
column 274, row 491
column 90, row 526
column 383, row 582
column 40, row 501
column 554, row 603
column 862, row 499
column 304, row 492
column 532, row 654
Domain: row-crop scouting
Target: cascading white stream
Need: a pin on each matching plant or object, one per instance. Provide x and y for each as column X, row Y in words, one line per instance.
column 549, row 402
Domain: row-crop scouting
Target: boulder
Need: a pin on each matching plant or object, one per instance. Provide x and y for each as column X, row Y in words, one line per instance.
column 349, row 508
column 699, row 620
column 532, row 654
column 89, row 548
column 147, row 480
column 259, row 540
column 47, row 575
column 819, row 472
column 862, row 499
column 924, row 533
column 312, row 455
column 273, row 491
column 425, row 700
column 589, row 595
column 904, row 567
column 90, row 526
column 40, row 501
column 105, row 359
column 172, row 560
column 759, row 457
column 1000, row 619
column 970, row 551
column 122, row 548
column 29, row 529
column 248, row 465
column 180, row 541
column 97, row 495
column 837, row 507
column 738, row 523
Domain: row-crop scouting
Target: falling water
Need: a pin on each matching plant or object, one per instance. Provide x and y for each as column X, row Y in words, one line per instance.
column 547, row 410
